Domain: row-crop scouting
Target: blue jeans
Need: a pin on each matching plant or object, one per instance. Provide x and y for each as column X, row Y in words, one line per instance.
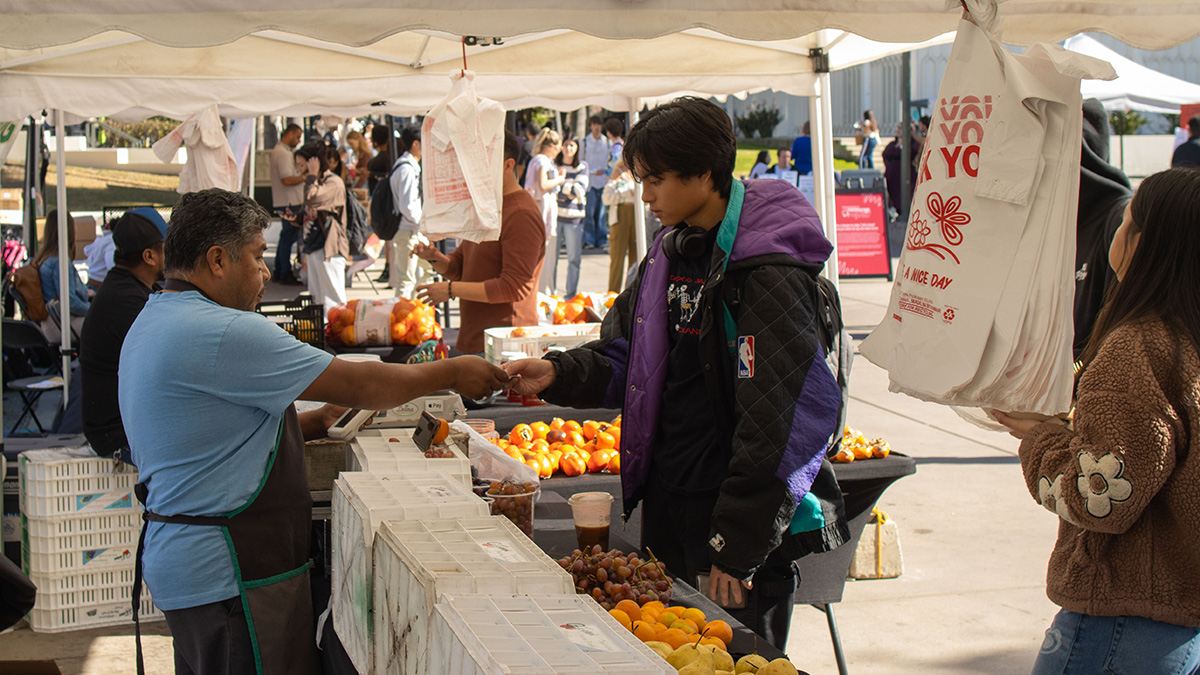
column 1116, row 645
column 595, row 223
column 571, row 231
column 288, row 234
column 866, row 159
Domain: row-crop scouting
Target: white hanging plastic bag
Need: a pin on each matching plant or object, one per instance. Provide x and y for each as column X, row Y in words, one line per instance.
column 980, row 312
column 462, row 141
column 210, row 161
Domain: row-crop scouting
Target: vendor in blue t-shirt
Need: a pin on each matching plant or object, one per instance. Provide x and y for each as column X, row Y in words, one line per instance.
column 206, row 392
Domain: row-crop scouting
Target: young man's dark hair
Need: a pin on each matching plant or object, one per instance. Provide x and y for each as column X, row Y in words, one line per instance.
column 212, row 217
column 1194, row 126
column 533, row 129
column 409, row 135
column 595, row 119
column 689, row 136
column 615, row 127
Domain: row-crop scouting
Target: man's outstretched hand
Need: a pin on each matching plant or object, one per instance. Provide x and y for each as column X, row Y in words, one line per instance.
column 529, row 376
column 475, row 378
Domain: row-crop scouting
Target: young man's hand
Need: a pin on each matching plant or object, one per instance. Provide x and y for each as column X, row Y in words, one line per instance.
column 529, row 376
column 435, row 293
column 475, row 378
column 723, row 588
column 429, row 252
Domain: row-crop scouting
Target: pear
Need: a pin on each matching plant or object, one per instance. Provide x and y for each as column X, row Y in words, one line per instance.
column 701, row 665
column 721, row 658
column 778, row 667
column 685, row 655
column 661, row 648
column 749, row 663
column 724, row 672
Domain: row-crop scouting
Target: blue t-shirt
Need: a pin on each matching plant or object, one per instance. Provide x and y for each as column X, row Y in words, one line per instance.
column 202, row 390
column 802, row 154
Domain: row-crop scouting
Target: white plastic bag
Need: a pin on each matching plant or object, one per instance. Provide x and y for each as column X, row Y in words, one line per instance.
column 210, row 161
column 462, row 141
column 980, row 312
column 490, row 462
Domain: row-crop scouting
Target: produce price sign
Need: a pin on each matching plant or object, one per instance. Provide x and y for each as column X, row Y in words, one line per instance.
column 862, row 242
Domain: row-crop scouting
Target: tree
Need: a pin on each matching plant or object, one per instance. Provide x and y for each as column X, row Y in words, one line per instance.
column 760, row 119
column 1126, row 122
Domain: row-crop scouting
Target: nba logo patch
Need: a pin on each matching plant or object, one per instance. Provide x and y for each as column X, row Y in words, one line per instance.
column 745, row 351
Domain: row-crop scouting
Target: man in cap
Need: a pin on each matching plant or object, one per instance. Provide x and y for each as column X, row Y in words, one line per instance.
column 137, row 239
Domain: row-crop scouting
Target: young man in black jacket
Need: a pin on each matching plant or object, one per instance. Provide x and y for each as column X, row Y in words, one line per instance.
column 725, row 357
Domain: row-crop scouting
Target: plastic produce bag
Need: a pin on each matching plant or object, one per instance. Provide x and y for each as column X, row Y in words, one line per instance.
column 490, row 462
column 980, row 311
column 361, row 323
column 463, row 144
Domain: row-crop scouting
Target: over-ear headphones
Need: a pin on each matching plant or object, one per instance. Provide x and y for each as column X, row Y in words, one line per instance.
column 682, row 243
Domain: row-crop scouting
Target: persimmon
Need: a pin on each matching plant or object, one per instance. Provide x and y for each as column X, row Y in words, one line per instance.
column 522, row 433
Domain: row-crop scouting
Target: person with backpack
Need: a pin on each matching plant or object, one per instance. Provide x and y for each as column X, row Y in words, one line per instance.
column 727, row 357
column 405, row 184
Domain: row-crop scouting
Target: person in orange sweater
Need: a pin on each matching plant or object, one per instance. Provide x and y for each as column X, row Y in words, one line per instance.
column 495, row 281
column 1124, row 479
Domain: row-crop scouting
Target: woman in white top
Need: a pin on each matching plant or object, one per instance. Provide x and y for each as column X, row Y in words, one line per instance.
column 542, row 182
column 572, row 207
column 761, row 164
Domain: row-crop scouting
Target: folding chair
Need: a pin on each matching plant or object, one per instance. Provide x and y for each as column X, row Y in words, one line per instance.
column 25, row 335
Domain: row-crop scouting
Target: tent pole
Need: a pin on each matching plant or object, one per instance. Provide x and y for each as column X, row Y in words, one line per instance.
column 639, row 210
column 32, row 155
column 820, row 111
column 906, row 138
column 64, row 255
column 250, row 162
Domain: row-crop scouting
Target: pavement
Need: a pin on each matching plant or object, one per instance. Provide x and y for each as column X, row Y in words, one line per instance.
column 971, row 598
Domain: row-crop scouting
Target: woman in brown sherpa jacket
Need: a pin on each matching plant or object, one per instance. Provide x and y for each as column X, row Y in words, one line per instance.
column 1124, row 480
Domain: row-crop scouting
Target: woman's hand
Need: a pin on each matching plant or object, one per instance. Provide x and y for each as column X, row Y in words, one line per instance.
column 313, row 166
column 434, row 294
column 1017, row 428
column 430, row 253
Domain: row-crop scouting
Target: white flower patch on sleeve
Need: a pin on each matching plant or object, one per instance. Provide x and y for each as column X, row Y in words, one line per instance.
column 1100, row 482
column 1050, row 495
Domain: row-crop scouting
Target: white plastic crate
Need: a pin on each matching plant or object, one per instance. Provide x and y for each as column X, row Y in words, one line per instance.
column 541, row 339
column 361, row 501
column 448, row 406
column 73, row 482
column 382, row 456
column 72, row 544
column 525, row 635
column 417, row 561
column 88, row 606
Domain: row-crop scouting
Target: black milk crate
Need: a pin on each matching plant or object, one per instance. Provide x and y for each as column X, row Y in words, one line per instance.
column 301, row 317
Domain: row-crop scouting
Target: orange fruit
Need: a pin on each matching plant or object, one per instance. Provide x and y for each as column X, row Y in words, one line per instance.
column 677, row 609
column 572, row 464
column 694, row 615
column 650, row 615
column 545, row 467
column 667, row 617
column 522, row 433
column 630, row 608
column 571, row 425
column 575, row 438
column 599, row 460
column 614, row 464
column 674, row 637
column 539, row 430
column 605, row 441
column 720, row 630
column 622, row 618
column 590, row 429
column 615, row 432
column 654, row 605
column 643, row 630
column 557, row 423
column 714, row 642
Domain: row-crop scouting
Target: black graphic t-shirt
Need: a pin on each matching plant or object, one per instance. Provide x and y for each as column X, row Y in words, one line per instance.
column 688, row 457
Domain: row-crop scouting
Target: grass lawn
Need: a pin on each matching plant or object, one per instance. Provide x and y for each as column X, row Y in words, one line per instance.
column 92, row 189
column 747, row 152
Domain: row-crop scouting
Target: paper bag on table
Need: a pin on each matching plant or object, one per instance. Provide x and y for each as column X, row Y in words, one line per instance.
column 980, row 312
column 462, row 141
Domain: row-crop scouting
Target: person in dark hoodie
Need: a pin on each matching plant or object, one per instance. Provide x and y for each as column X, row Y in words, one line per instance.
column 717, row 357
column 1104, row 191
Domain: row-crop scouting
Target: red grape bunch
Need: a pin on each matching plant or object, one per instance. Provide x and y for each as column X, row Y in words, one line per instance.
column 612, row 576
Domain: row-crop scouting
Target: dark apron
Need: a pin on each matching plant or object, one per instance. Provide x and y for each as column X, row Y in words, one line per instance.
column 268, row 539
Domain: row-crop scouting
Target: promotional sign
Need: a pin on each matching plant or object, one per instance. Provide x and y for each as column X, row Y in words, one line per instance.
column 862, row 241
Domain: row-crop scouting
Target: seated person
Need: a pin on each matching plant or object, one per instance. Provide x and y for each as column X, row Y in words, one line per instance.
column 46, row 262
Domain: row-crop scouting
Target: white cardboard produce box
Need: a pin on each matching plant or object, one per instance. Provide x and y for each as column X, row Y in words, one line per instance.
column 361, row 501
column 417, row 561
column 383, row 456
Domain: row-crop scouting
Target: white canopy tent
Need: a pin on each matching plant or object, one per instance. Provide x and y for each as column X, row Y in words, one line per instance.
column 1136, row 87
column 35, row 27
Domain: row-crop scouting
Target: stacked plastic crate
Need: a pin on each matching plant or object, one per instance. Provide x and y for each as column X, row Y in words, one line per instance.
column 79, row 528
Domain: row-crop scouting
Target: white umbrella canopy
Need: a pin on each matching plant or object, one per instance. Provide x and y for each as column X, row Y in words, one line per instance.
column 28, row 24
column 1136, row 87
column 126, row 77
